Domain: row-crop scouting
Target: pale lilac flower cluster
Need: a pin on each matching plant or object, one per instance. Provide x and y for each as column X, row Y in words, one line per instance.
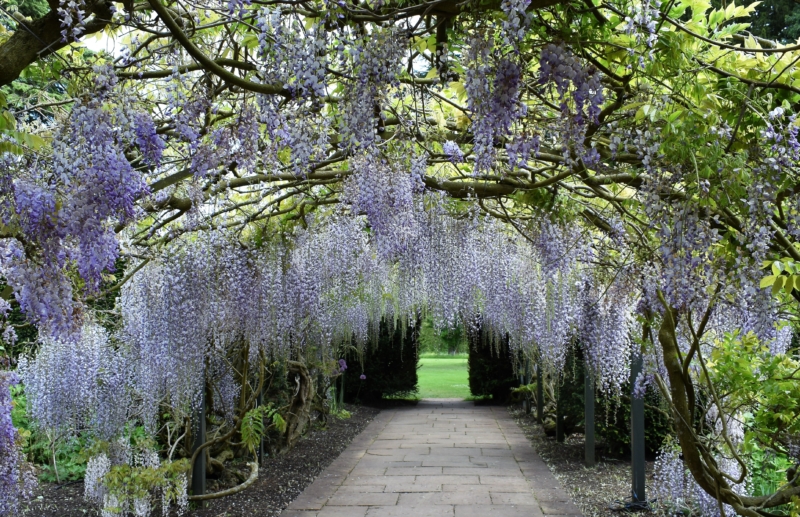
column 676, row 487
column 516, row 22
column 492, row 86
column 384, row 192
column 96, row 468
column 453, row 151
column 9, row 334
column 643, row 22
column 79, row 385
column 293, row 56
column 72, row 14
column 375, row 61
column 606, row 329
column 16, row 478
column 114, row 503
column 558, row 65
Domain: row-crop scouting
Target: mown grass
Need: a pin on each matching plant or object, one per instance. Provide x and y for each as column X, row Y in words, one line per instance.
column 443, row 376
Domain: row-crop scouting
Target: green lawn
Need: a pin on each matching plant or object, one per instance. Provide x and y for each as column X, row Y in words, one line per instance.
column 443, row 376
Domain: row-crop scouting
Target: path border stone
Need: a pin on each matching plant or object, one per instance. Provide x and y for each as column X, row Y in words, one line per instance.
column 410, row 498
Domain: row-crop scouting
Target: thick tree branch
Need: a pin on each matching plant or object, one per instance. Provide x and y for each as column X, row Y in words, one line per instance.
column 208, row 63
column 42, row 37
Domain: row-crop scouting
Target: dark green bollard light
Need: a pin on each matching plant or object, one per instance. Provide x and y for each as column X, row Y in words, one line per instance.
column 637, row 434
column 560, row 434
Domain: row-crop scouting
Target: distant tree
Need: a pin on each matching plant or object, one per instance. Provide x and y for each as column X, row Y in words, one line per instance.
column 29, row 8
column 774, row 19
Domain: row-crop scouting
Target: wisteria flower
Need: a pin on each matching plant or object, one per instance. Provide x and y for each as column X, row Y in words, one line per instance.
column 453, row 151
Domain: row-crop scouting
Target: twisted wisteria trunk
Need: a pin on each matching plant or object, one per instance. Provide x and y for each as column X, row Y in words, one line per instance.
column 299, row 412
column 695, row 456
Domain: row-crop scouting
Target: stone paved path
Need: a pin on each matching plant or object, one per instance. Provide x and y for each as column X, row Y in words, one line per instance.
column 439, row 458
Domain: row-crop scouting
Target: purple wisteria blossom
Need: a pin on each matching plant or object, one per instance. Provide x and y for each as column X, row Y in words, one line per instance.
column 17, row 480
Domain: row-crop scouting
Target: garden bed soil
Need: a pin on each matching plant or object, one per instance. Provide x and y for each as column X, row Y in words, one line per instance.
column 598, row 491
column 280, row 481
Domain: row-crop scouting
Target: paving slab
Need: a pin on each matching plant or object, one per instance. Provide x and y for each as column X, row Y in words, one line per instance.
column 441, row 458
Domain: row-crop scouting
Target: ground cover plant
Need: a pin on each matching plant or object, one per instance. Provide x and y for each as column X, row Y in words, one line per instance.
column 201, row 226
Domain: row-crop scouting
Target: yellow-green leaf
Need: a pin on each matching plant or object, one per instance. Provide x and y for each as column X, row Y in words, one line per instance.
column 768, row 281
column 778, row 285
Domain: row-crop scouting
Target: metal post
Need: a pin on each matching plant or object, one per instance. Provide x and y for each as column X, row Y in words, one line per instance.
column 637, row 434
column 588, row 416
column 539, row 395
column 199, row 428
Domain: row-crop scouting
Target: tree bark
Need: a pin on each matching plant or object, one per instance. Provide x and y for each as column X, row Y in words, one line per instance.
column 701, row 466
column 40, row 38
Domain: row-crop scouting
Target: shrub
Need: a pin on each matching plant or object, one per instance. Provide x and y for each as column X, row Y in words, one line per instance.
column 59, row 458
column 390, row 365
column 491, row 368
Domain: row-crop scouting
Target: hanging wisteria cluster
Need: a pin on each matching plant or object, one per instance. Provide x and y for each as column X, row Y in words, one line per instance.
column 140, row 465
column 17, row 479
column 278, row 179
column 80, row 385
column 492, row 84
column 293, row 57
column 606, row 333
column 69, row 203
column 676, row 488
column 581, row 97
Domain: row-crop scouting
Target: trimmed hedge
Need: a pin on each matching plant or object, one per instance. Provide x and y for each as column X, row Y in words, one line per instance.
column 389, row 365
column 491, row 368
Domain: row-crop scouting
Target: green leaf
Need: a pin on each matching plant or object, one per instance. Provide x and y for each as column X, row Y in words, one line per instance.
column 35, row 142
column 252, row 429
column 8, row 147
column 7, row 121
column 778, row 285
column 250, row 41
column 279, row 422
column 768, row 281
